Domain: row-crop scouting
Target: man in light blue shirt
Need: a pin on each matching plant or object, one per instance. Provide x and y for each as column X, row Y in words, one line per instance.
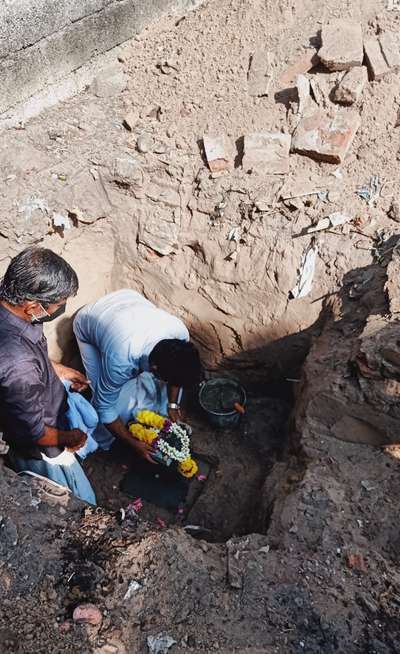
column 123, row 335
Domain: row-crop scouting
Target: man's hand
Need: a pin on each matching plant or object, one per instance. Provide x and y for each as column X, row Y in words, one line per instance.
column 144, row 450
column 176, row 415
column 78, row 379
column 72, row 440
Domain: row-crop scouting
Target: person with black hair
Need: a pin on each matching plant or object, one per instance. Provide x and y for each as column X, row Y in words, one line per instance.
column 33, row 400
column 123, row 335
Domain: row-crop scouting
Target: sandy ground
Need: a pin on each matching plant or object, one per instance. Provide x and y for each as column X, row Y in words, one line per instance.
column 311, row 560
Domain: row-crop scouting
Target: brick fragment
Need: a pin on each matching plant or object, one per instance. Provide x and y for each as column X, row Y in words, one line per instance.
column 351, row 87
column 303, row 65
column 217, row 157
column 260, row 73
column 390, row 46
column 342, row 45
column 267, row 153
column 376, row 62
column 324, row 138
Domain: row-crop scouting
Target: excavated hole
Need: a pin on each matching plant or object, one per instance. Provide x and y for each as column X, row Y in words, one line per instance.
column 228, row 503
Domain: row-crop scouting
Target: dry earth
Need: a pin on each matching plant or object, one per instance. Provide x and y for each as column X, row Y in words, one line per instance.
column 317, row 568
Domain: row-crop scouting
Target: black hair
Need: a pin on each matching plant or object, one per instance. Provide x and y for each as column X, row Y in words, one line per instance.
column 38, row 274
column 178, row 362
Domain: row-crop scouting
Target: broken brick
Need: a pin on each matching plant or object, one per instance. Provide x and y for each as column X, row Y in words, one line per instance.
column 356, row 561
column 342, row 45
column 390, row 46
column 303, row 65
column 215, row 149
column 324, row 138
column 260, row 73
column 350, row 88
column 376, row 62
column 267, row 153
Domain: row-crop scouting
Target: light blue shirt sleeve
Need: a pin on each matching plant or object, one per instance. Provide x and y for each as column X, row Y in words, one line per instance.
column 114, row 374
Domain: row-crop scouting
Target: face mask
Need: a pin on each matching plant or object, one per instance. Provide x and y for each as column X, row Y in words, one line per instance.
column 47, row 317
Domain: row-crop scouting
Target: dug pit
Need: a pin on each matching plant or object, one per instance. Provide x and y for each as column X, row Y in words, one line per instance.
column 223, row 500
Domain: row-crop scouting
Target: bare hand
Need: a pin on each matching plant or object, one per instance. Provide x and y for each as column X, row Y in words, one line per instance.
column 73, row 440
column 78, row 380
column 145, row 451
column 176, row 415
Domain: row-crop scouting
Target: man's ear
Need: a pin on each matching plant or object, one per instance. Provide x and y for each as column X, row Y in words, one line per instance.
column 29, row 307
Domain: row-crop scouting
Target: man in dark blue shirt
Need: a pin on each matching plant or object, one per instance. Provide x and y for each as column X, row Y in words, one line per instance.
column 33, row 400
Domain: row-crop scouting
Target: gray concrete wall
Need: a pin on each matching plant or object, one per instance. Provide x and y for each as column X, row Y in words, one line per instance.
column 42, row 41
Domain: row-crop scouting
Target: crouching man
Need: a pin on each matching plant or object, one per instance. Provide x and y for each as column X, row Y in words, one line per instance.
column 33, row 400
column 137, row 356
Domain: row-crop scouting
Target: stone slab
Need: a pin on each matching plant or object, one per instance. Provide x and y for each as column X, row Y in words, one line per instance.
column 267, row 153
column 342, row 45
column 324, row 138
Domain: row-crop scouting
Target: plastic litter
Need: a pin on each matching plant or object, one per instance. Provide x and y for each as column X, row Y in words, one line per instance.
column 333, row 220
column 370, row 193
column 306, row 273
column 160, row 644
column 133, row 587
column 60, row 220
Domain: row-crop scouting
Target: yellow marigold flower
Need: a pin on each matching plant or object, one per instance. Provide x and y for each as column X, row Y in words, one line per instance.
column 188, row 468
column 142, row 433
column 150, row 419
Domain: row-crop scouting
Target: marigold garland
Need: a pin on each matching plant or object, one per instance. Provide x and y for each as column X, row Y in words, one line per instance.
column 143, row 434
column 151, row 427
column 188, row 468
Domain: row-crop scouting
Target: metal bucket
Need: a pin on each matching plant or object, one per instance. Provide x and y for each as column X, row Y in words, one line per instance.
column 220, row 414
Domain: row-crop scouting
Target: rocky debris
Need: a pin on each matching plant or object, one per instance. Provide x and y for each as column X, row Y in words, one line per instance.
column 260, row 73
column 131, row 119
column 111, row 81
column 305, row 63
column 158, row 231
column 266, row 153
column 394, row 211
column 377, row 64
column 127, row 170
column 325, row 138
column 390, row 46
column 215, row 148
column 145, row 143
column 85, row 198
column 160, row 644
column 87, row 614
column 351, row 87
column 303, row 92
column 342, row 45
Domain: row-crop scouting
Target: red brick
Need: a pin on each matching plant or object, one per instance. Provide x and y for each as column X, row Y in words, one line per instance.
column 342, row 45
column 304, row 64
column 377, row 65
column 324, row 138
column 215, row 150
column 267, row 153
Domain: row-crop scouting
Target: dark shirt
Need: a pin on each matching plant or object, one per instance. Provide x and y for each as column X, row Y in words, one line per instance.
column 31, row 395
